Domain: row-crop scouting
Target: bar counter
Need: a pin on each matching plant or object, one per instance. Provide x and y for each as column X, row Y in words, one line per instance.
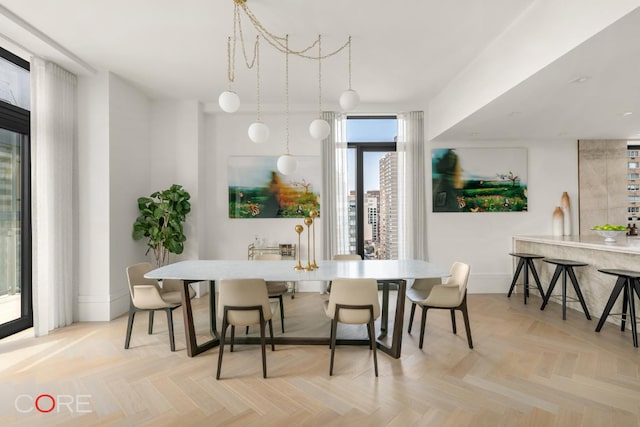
column 590, row 249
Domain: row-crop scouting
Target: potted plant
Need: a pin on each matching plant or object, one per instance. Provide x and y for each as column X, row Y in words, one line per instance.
column 161, row 220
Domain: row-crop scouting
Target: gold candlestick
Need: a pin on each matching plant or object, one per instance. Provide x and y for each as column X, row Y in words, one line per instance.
column 314, row 214
column 299, row 229
column 308, row 222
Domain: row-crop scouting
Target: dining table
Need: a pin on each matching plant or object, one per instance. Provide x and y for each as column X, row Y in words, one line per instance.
column 388, row 273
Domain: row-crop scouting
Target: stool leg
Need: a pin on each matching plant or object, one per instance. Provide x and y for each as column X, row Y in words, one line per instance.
column 612, row 299
column 525, row 282
column 632, row 311
column 564, row 294
column 537, row 279
column 625, row 303
column 576, row 287
column 552, row 285
column 515, row 276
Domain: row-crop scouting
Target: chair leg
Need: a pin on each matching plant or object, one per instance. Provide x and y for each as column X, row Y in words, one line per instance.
column 246, row 332
column 223, row 332
column 625, row 304
column 515, row 276
column 372, row 344
column 263, row 348
column 465, row 316
column 172, row 341
column 132, row 314
column 370, row 337
column 612, row 299
column 233, row 336
column 453, row 321
column 151, row 312
column 422, row 325
column 334, row 327
column 273, row 347
column 281, row 313
column 413, row 311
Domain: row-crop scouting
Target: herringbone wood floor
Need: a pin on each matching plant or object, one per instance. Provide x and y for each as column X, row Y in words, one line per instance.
column 528, row 367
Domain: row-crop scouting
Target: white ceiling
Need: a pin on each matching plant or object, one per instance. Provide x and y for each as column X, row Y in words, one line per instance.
column 404, row 52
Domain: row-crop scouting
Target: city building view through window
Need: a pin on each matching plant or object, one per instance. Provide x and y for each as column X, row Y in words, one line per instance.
column 373, row 186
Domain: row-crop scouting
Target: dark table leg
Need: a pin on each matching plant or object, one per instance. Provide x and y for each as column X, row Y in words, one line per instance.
column 396, row 339
column 193, row 349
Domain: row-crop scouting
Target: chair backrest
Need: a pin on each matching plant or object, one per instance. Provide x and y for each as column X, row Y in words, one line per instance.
column 354, row 292
column 135, row 276
column 459, row 277
column 243, row 293
column 347, row 257
column 267, row 257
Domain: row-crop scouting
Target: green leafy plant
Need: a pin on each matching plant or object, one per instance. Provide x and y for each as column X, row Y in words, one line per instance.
column 161, row 220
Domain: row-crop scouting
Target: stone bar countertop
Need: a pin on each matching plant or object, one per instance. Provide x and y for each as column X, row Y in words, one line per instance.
column 622, row 244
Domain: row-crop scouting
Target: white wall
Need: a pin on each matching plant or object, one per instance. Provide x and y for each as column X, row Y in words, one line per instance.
column 113, row 171
column 484, row 239
column 94, row 226
column 129, row 164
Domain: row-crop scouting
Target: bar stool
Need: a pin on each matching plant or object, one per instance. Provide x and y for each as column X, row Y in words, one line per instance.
column 627, row 281
column 526, row 261
column 565, row 266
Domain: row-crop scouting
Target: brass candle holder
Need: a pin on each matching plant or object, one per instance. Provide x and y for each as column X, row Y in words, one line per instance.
column 299, row 229
column 308, row 222
column 313, row 215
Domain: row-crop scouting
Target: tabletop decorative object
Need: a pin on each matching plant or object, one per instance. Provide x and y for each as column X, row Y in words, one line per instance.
column 299, row 230
column 313, row 215
column 308, row 221
column 565, row 205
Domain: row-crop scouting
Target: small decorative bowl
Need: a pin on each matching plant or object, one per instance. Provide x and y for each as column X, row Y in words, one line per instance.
column 610, row 236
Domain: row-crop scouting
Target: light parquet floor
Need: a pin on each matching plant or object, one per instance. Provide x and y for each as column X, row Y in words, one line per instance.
column 528, row 368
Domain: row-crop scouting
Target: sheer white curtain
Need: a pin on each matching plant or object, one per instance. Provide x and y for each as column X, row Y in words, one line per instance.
column 53, row 136
column 334, row 206
column 412, row 207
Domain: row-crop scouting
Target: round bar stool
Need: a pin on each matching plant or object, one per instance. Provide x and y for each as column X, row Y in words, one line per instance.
column 628, row 282
column 526, row 260
column 564, row 267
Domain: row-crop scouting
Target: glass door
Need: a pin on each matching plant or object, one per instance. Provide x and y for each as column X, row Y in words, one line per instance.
column 15, row 297
column 16, row 313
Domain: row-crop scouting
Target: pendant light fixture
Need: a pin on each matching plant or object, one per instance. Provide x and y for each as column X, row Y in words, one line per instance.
column 258, row 131
column 319, row 128
column 287, row 164
column 349, row 99
column 229, row 100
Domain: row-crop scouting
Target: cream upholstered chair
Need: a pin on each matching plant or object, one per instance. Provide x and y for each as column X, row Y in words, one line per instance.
column 147, row 295
column 344, row 257
column 244, row 302
column 274, row 289
column 353, row 301
column 452, row 296
column 420, row 290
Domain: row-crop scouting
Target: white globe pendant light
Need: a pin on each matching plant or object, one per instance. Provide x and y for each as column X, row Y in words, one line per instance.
column 287, row 164
column 349, row 100
column 319, row 129
column 258, row 132
column 229, row 101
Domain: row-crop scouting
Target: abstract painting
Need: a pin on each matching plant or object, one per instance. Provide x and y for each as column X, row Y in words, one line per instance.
column 479, row 179
column 258, row 190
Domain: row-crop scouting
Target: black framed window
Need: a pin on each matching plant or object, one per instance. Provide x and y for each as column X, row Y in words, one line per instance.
column 16, row 309
column 372, row 166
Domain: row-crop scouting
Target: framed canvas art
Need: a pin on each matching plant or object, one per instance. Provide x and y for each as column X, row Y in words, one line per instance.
column 258, row 190
column 479, row 179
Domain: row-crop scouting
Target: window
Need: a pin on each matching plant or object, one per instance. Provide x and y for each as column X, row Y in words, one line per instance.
column 373, row 186
column 15, row 215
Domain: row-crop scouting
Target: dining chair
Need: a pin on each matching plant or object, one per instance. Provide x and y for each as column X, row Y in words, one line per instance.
column 343, row 257
column 274, row 289
column 353, row 302
column 244, row 302
column 148, row 295
column 420, row 290
column 452, row 296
